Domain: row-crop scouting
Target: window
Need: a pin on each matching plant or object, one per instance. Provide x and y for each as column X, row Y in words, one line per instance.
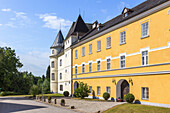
column 66, row 71
column 90, row 49
column 83, row 68
column 108, row 63
column 145, row 93
column 53, row 76
column 90, row 88
column 122, row 61
column 145, row 29
column 60, row 62
column 83, row 51
column 75, row 54
column 144, row 57
column 61, row 87
column 123, row 37
column 52, row 64
column 108, row 89
column 98, row 65
column 98, row 90
column 108, row 42
column 75, row 69
column 98, row 45
column 52, row 51
column 126, row 14
column 60, row 76
column 90, row 67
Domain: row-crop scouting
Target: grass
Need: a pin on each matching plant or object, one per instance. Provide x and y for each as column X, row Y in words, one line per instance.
column 16, row 96
column 137, row 108
column 52, row 95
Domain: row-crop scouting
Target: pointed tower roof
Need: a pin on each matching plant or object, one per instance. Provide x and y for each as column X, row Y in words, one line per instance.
column 59, row 40
column 78, row 27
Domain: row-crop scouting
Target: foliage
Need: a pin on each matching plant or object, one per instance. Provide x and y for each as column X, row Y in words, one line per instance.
column 46, row 86
column 66, row 93
column 129, row 98
column 40, row 97
column 49, row 99
column 34, row 90
column 48, row 73
column 3, row 94
column 106, row 95
column 62, row 102
column 43, row 78
column 82, row 91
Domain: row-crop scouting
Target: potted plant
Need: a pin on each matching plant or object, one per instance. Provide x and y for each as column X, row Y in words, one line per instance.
column 62, row 102
column 119, row 99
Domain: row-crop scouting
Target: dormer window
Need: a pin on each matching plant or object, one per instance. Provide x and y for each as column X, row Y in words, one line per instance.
column 95, row 24
column 126, row 12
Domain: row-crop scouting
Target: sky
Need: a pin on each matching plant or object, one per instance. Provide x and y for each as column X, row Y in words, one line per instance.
column 30, row 26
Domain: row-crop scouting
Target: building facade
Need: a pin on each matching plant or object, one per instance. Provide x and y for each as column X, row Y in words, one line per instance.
column 128, row 54
column 62, row 56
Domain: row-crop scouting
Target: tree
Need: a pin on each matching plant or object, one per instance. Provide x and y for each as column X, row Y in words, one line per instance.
column 46, row 86
column 34, row 90
column 48, row 73
column 82, row 91
column 9, row 65
column 43, row 78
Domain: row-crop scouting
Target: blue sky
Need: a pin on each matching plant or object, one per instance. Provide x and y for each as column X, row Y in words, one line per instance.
column 30, row 26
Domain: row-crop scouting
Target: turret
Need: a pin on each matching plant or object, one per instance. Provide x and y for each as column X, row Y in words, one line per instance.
column 58, row 44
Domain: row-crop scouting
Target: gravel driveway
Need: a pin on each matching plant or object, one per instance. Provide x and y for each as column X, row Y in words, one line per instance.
column 23, row 105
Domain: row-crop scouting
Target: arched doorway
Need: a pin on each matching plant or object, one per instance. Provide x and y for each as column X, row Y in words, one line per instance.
column 76, row 85
column 122, row 88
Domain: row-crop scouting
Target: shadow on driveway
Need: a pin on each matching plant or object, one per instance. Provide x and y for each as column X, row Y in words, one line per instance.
column 12, row 107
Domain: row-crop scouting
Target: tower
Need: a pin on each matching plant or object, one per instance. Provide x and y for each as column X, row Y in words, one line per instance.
column 56, row 49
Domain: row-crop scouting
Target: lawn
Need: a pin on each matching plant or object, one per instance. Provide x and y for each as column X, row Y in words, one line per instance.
column 137, row 108
column 53, row 95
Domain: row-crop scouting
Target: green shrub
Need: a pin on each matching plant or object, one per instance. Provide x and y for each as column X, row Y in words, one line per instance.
column 40, row 97
column 34, row 90
column 3, row 94
column 106, row 95
column 62, row 102
column 129, row 98
column 66, row 93
column 82, row 91
column 49, row 99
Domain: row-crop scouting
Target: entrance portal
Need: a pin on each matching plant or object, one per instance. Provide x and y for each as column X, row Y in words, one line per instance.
column 122, row 88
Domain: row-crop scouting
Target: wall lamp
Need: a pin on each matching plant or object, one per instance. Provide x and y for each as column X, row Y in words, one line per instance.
column 130, row 81
column 114, row 81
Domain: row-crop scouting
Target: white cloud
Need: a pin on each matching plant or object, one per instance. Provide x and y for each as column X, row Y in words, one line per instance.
column 103, row 10
column 21, row 15
column 6, row 10
column 54, row 22
column 35, row 61
column 10, row 24
column 0, row 24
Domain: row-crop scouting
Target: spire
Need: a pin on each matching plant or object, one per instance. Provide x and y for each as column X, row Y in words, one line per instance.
column 59, row 40
column 80, row 26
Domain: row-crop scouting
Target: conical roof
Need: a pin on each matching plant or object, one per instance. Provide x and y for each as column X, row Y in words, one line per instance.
column 78, row 27
column 59, row 40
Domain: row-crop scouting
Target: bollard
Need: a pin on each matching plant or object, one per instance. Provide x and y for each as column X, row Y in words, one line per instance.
column 55, row 101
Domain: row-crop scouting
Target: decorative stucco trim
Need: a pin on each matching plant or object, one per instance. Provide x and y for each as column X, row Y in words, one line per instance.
column 125, row 75
column 156, row 104
column 127, row 55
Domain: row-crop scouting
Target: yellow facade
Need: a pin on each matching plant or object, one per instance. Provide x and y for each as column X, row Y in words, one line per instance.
column 158, row 46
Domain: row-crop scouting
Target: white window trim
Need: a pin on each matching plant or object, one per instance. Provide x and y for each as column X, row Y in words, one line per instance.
column 97, row 46
column 106, row 63
column 145, row 93
column 145, row 21
column 83, row 52
column 141, row 58
column 108, row 87
column 108, row 47
column 99, row 90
